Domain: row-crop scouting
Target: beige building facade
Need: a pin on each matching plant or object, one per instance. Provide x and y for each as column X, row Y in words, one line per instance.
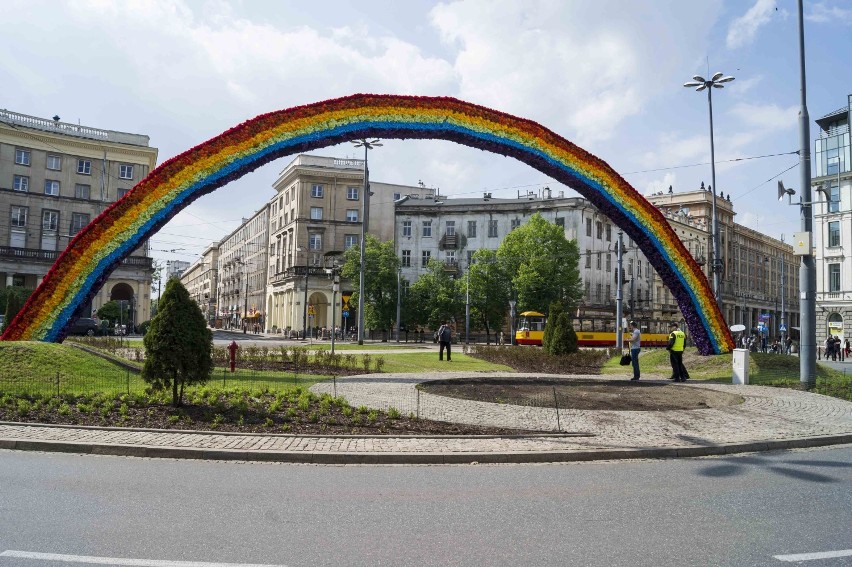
column 241, row 272
column 201, row 281
column 55, row 178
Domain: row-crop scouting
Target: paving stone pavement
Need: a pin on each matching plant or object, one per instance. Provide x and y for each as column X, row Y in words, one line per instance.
column 769, row 418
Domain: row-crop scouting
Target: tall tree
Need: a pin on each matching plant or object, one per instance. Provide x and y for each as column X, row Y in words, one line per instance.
column 178, row 344
column 489, row 292
column 379, row 281
column 542, row 265
column 437, row 297
column 12, row 298
column 112, row 311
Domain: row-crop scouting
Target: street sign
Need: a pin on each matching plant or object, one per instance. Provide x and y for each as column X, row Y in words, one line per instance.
column 345, row 314
column 311, row 309
column 783, row 328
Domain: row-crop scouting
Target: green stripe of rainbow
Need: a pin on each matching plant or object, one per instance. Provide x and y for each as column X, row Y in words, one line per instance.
column 97, row 250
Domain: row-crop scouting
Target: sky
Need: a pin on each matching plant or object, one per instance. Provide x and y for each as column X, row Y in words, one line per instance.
column 606, row 74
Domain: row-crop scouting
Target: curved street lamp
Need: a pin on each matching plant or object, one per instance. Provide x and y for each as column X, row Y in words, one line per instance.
column 715, row 82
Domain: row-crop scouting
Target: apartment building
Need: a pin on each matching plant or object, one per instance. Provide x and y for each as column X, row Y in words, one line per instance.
column 55, row 178
column 200, row 280
column 832, row 236
column 315, row 215
column 241, row 271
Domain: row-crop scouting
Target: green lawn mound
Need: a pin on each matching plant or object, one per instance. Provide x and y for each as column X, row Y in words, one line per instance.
column 42, row 360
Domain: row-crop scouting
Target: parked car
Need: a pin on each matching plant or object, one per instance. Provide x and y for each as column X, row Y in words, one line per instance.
column 84, row 326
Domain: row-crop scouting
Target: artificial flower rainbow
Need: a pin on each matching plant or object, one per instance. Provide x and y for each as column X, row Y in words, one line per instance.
column 98, row 249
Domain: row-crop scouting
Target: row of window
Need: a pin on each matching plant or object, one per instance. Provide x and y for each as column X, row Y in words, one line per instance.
column 426, row 228
column 317, row 214
column 601, row 296
column 608, row 263
column 49, row 219
column 600, row 229
column 54, row 163
column 318, row 191
column 51, row 187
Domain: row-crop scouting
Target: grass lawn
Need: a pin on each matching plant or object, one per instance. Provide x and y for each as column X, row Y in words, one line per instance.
column 349, row 346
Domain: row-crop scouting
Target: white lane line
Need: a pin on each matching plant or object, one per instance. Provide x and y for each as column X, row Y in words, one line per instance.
column 121, row 560
column 812, row 556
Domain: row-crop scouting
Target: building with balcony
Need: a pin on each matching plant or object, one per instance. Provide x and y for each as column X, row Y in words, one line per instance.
column 315, row 215
column 200, row 280
column 241, row 271
column 832, row 234
column 55, row 178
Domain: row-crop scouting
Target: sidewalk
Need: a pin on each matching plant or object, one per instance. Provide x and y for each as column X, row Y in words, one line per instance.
column 769, row 419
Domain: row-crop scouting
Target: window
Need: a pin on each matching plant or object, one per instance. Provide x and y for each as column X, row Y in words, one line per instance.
column 599, row 229
column 316, row 190
column 471, row 229
column 588, row 258
column 351, row 193
column 78, row 221
column 50, row 220
column 316, row 213
column 451, row 257
column 84, row 167
column 451, row 228
column 397, row 196
column 427, row 229
column 19, row 217
column 598, row 263
column 560, row 222
column 121, row 193
column 54, row 162
column 82, row 191
column 492, row 229
column 125, row 171
column 424, row 258
column 22, row 157
column 608, row 263
column 598, row 297
column 630, row 267
column 515, row 224
column 315, row 241
column 588, row 291
column 51, row 187
column 834, row 277
column 834, row 199
column 609, row 233
column 470, row 257
column 349, row 241
column 589, row 227
column 406, row 228
column 22, row 183
column 834, row 233
column 608, row 292
column 352, row 215
column 406, row 258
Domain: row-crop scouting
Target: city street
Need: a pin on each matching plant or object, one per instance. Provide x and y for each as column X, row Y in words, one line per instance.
column 758, row 509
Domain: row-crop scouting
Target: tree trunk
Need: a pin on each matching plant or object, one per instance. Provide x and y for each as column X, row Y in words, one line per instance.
column 180, row 398
column 174, row 390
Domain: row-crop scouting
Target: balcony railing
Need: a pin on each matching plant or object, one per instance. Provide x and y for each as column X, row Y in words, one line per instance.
column 73, row 129
column 50, row 256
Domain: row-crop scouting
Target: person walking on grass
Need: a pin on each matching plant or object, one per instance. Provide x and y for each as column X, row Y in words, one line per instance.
column 445, row 338
column 635, row 343
column 677, row 340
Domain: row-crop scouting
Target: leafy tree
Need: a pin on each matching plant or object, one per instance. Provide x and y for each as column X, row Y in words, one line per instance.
column 15, row 297
column 489, row 292
column 113, row 311
column 542, row 265
column 178, row 344
column 379, row 281
column 436, row 296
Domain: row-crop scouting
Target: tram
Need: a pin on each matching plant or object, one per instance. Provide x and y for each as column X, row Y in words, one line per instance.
column 591, row 331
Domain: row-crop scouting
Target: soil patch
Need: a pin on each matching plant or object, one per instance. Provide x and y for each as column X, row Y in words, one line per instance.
column 582, row 394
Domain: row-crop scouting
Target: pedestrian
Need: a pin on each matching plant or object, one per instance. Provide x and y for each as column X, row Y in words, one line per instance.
column 635, row 343
column 677, row 340
column 789, row 346
column 445, row 337
column 847, row 348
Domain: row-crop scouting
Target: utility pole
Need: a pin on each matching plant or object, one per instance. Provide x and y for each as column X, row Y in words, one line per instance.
column 619, row 331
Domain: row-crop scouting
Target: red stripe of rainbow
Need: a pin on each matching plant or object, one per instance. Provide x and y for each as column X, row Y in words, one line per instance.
column 97, row 250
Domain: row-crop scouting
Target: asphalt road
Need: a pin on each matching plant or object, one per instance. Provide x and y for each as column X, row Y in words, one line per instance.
column 740, row 510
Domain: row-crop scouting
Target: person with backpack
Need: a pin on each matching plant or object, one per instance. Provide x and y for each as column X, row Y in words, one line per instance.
column 445, row 338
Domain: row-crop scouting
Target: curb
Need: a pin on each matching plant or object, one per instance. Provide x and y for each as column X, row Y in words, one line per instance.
column 328, row 458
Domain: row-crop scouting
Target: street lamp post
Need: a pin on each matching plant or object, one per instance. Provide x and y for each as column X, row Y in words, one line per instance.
column 701, row 84
column 467, row 308
column 619, row 330
column 365, row 219
column 398, row 299
column 335, row 287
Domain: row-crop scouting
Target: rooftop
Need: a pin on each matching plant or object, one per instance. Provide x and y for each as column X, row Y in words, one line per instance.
column 56, row 127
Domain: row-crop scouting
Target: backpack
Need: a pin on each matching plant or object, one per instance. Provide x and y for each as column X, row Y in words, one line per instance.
column 444, row 334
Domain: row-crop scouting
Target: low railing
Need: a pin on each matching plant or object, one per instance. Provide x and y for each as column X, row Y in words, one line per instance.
column 50, row 256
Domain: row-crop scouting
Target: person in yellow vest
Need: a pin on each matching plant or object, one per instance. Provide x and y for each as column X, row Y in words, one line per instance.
column 677, row 340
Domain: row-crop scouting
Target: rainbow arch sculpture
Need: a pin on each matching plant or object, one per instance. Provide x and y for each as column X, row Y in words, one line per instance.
column 98, row 249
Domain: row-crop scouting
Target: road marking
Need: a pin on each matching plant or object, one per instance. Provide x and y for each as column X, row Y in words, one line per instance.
column 121, row 561
column 812, row 556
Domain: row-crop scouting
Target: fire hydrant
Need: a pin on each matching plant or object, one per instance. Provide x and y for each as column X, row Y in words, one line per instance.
column 232, row 348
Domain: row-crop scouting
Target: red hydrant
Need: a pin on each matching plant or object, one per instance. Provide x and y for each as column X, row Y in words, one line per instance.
column 233, row 350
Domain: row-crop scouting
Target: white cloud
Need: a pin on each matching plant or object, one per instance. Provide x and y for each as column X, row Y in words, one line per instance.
column 765, row 118
column 820, row 13
column 744, row 29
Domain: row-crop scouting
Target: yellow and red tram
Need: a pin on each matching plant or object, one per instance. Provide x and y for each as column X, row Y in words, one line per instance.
column 591, row 331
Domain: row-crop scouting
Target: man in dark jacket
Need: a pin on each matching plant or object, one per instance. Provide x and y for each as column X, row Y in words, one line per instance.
column 445, row 338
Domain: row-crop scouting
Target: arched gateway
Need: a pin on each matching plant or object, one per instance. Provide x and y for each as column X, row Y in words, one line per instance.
column 87, row 262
